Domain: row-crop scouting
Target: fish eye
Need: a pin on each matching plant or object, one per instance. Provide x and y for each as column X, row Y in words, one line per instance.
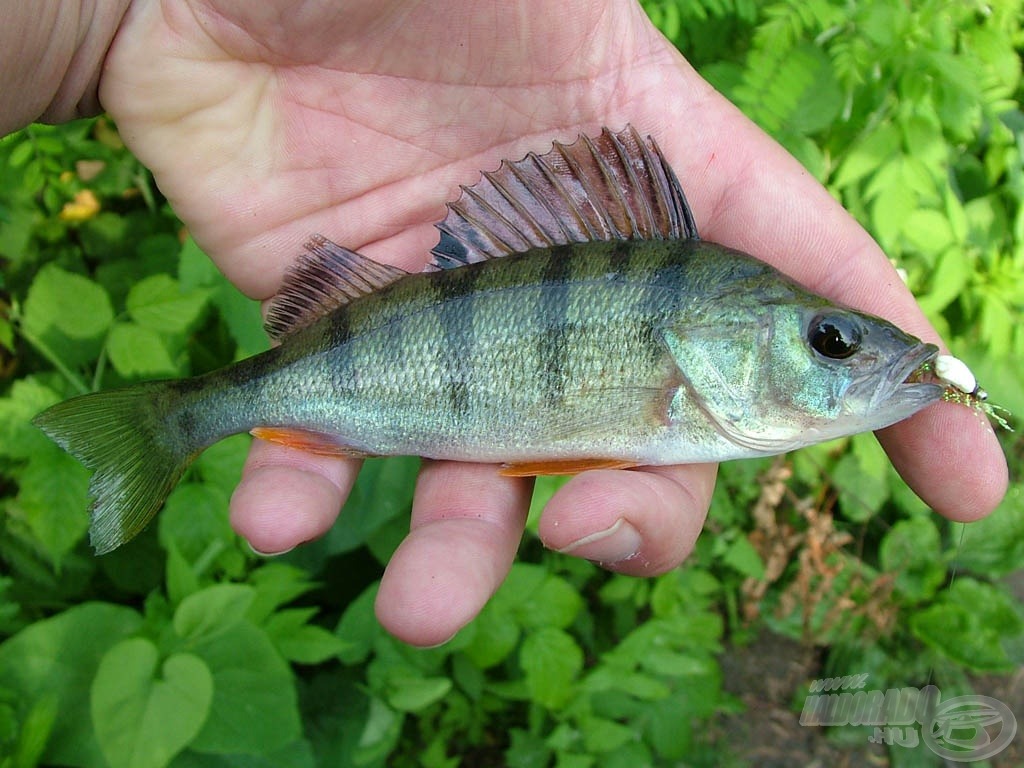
column 834, row 336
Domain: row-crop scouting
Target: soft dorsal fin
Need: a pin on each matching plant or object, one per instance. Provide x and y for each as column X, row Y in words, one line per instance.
column 613, row 187
column 324, row 278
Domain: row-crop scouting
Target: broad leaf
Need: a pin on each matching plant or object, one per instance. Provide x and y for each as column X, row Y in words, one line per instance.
column 143, row 719
column 59, row 657
column 158, row 303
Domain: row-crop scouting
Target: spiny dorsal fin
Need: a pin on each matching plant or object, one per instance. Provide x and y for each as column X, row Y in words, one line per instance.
column 613, row 187
column 328, row 276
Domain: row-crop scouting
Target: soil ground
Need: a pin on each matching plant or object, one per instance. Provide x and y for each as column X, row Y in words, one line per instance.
column 771, row 676
column 768, row 676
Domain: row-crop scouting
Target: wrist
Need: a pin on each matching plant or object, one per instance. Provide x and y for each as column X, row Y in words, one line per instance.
column 52, row 57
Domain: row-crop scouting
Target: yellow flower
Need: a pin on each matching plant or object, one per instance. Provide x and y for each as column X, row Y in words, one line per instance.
column 82, row 208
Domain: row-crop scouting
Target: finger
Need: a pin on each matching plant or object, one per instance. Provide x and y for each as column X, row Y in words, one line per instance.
column 640, row 522
column 467, row 521
column 287, row 496
column 950, row 456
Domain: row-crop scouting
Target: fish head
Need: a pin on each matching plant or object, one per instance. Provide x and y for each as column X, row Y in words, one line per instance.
column 781, row 375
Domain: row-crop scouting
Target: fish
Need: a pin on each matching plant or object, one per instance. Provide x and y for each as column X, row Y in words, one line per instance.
column 570, row 318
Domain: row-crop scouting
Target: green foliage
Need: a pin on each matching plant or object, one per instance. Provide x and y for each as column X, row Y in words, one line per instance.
column 184, row 649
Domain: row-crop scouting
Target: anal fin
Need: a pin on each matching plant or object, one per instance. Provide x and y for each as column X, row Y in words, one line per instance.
column 561, row 467
column 307, row 440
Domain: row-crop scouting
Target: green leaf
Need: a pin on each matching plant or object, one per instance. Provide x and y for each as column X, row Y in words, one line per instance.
column 948, row 281
column 526, row 750
column 138, row 352
column 19, row 439
column 414, row 693
column 298, row 640
column 603, row 735
column 868, row 155
column 382, row 491
column 819, row 105
column 742, row 556
column 142, row 721
column 195, row 269
column 276, row 584
column 220, row 465
column 663, row 661
column 243, row 318
column 35, row 731
column 194, row 518
column 71, row 304
column 922, row 135
column 495, row 634
column 860, row 500
column 358, row 627
column 59, row 657
column 23, row 151
column 994, row 546
column 298, row 754
column 6, row 333
column 158, row 303
column 254, row 708
column 212, row 611
column 380, row 735
column 569, row 760
column 554, row 603
column 240, row 313
column 639, row 685
column 52, row 501
column 180, row 577
column 890, row 211
column 929, row 231
column 551, row 660
column 911, row 551
column 970, row 624
column 668, row 730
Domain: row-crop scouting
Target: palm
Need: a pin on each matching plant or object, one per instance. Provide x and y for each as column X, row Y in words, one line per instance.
column 264, row 123
column 297, row 125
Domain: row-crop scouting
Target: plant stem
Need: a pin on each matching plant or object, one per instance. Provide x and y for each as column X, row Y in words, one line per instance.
column 76, row 381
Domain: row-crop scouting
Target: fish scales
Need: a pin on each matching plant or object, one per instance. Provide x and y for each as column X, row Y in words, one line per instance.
column 609, row 334
column 533, row 351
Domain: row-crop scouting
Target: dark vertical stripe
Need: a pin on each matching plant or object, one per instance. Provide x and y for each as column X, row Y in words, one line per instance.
column 664, row 296
column 456, row 318
column 342, row 362
column 555, row 336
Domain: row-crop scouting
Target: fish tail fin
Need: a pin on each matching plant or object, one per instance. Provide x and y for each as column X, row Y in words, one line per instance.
column 137, row 448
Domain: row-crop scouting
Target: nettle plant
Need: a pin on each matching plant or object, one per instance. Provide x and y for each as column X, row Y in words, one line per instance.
column 185, row 649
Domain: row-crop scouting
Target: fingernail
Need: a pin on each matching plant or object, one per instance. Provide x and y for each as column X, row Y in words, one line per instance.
column 269, row 554
column 432, row 646
column 619, row 542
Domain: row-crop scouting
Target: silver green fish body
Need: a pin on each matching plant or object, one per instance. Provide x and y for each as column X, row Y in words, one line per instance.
column 648, row 352
column 628, row 342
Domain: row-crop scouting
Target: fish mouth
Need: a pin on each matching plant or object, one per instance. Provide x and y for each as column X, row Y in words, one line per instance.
column 911, row 378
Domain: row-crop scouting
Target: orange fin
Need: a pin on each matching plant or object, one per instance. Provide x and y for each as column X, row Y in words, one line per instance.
column 562, row 467
column 306, row 440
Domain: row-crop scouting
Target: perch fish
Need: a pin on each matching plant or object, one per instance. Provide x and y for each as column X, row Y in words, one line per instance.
column 571, row 318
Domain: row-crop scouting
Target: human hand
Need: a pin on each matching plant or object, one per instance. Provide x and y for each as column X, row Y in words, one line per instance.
column 264, row 123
